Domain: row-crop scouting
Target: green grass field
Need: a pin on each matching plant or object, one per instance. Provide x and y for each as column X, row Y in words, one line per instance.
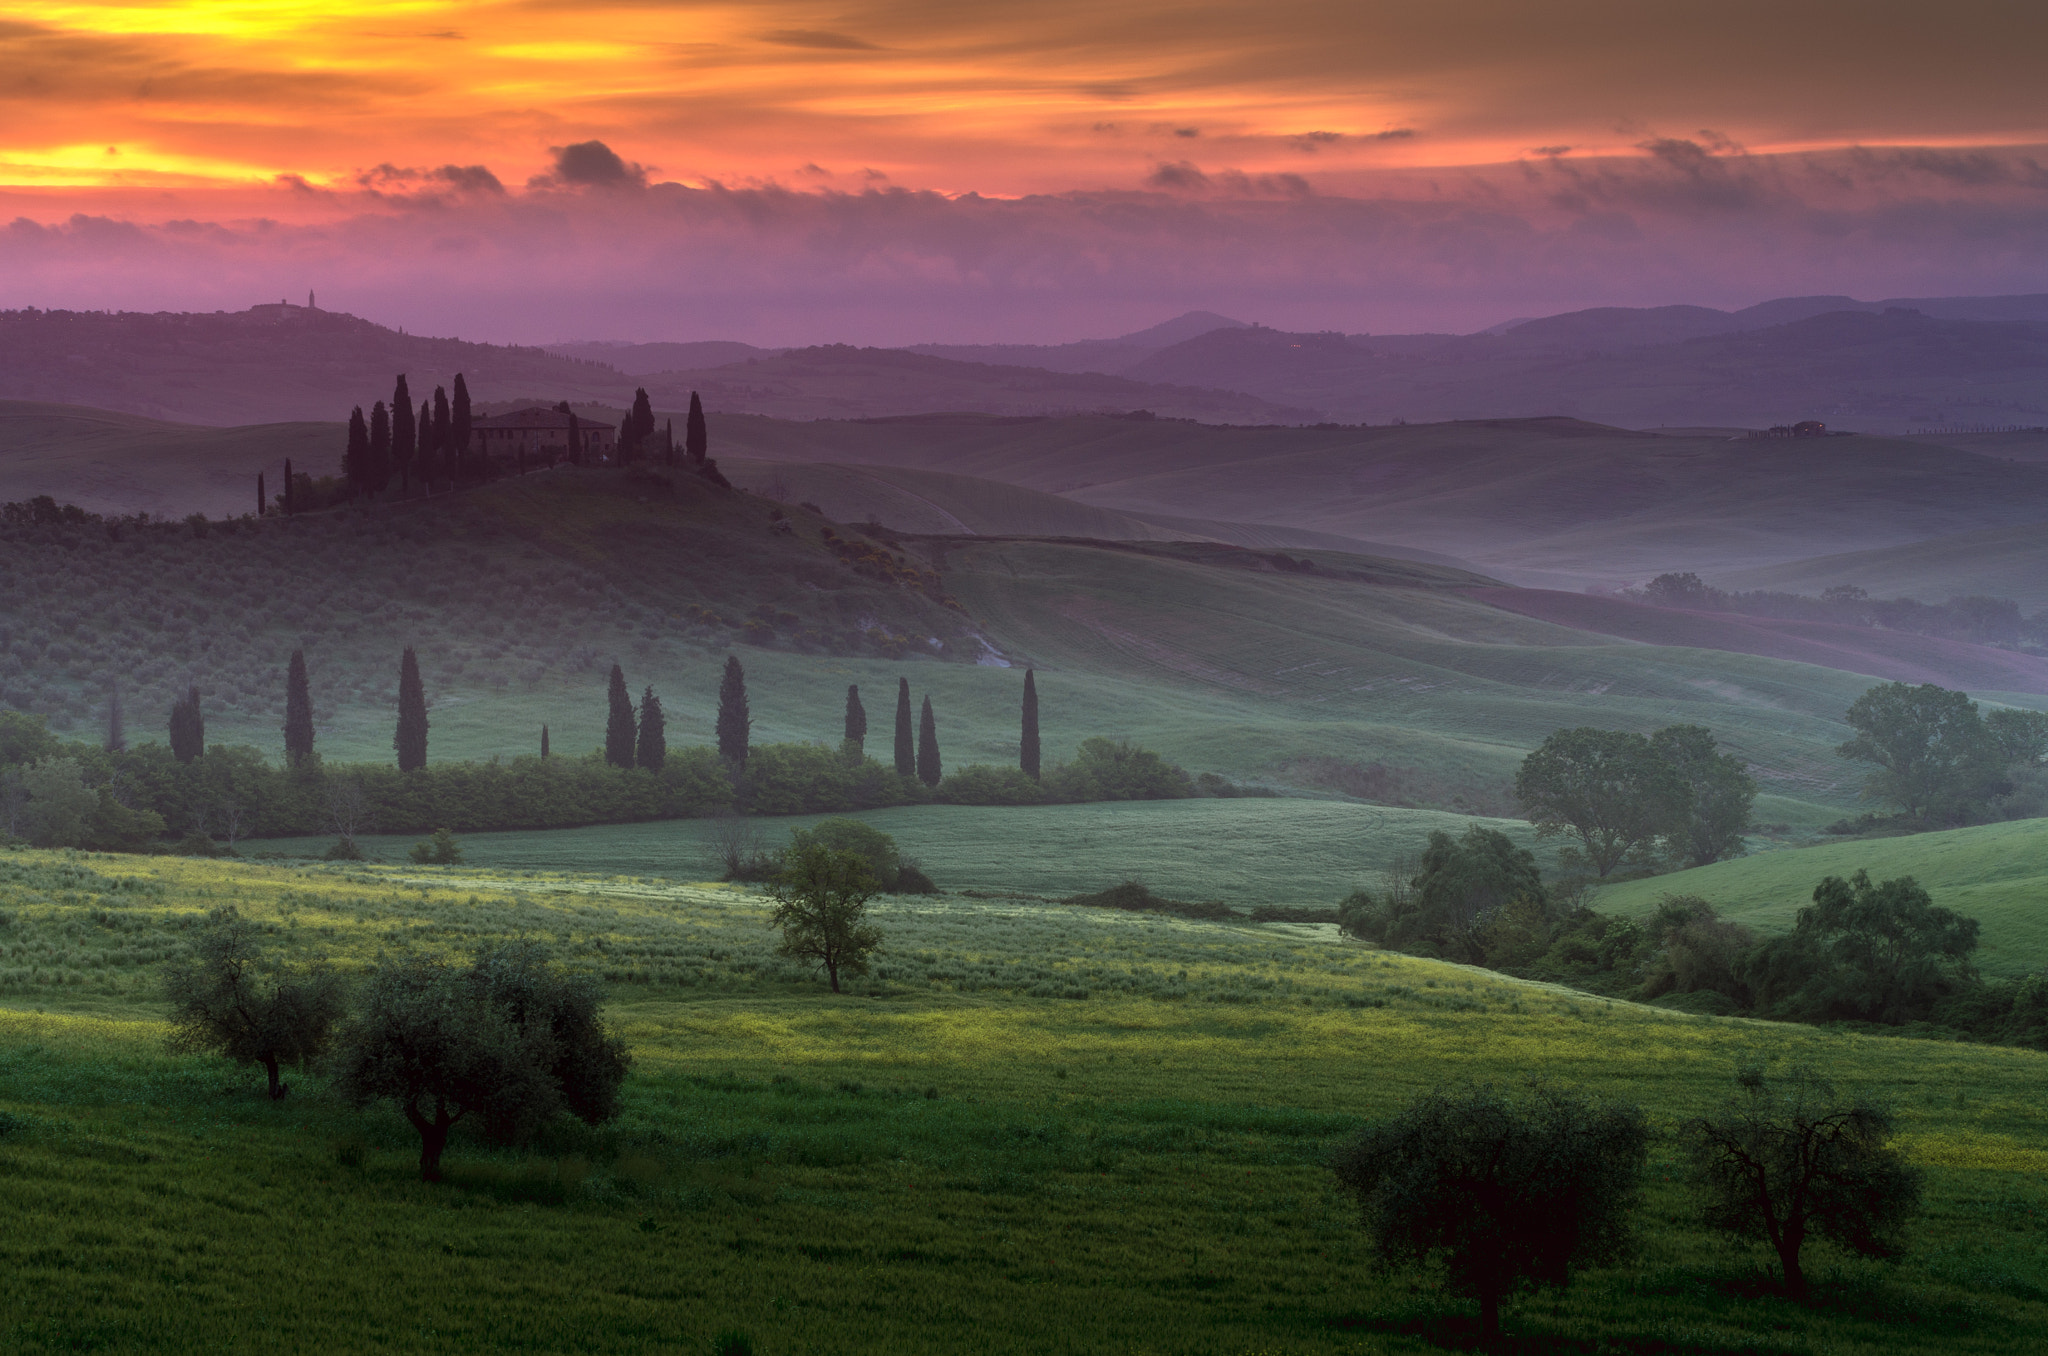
column 1032, row 1129
column 1995, row 873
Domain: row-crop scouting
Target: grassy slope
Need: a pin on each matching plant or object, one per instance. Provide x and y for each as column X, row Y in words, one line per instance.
column 1548, row 500
column 1996, row 873
column 1244, row 852
column 1135, row 1166
column 1997, row 562
column 123, row 463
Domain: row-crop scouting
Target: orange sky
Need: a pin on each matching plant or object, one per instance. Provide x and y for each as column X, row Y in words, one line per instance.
column 999, row 98
column 896, row 170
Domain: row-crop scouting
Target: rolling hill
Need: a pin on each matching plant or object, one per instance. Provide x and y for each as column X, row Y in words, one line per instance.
column 1996, row 562
column 1995, row 873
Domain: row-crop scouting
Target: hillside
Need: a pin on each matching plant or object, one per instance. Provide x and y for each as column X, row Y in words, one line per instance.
column 117, row 464
column 836, row 381
column 1898, row 656
column 1996, row 873
column 1553, row 502
column 1996, row 562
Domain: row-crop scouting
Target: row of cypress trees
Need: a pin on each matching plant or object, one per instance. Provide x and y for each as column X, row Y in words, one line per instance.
column 395, row 442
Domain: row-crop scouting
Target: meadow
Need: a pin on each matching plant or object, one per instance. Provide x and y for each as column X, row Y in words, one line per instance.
column 1032, row 1129
column 1995, row 873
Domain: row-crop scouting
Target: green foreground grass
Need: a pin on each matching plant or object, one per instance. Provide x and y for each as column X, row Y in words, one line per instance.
column 1995, row 873
column 1032, row 1129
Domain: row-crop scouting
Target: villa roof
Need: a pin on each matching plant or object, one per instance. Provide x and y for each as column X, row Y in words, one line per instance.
column 537, row 416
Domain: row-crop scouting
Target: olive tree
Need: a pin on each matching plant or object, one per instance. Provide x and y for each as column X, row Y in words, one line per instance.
column 1503, row 1193
column 230, row 999
column 1785, row 1163
column 821, row 901
column 510, row 1040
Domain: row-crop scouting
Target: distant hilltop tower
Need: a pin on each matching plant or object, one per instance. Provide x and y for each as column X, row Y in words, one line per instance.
column 309, row 300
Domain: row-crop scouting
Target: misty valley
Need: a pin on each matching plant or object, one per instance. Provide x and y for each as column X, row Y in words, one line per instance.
column 1219, row 839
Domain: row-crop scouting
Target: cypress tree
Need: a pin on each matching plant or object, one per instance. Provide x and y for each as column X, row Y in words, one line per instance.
column 355, row 462
column 618, row 726
column 735, row 723
column 856, row 722
column 298, row 711
column 404, row 434
column 543, row 741
column 262, row 504
column 695, row 440
column 906, row 750
column 377, row 466
column 411, row 739
column 287, row 487
column 1027, row 746
column 458, row 427
column 188, row 727
column 668, row 443
column 117, row 733
column 444, row 446
column 927, row 746
column 429, row 450
column 652, row 750
column 637, row 428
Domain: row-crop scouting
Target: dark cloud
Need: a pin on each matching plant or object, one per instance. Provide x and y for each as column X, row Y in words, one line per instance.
column 1181, row 176
column 817, row 38
column 589, row 164
column 459, row 178
column 1311, row 142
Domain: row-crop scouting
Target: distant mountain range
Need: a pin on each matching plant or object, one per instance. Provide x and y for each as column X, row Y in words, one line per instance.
column 1897, row 366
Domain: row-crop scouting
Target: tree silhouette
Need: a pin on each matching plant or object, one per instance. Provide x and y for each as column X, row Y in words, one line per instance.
column 735, row 723
column 618, row 726
column 652, row 749
column 696, row 441
column 906, row 747
column 229, row 999
column 298, row 710
column 188, row 727
column 411, row 738
column 928, row 770
column 458, row 427
column 856, row 722
column 355, row 461
column 377, row 466
column 404, row 434
column 1027, row 744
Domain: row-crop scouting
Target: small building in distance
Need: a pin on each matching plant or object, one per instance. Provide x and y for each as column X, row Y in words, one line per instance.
column 542, row 434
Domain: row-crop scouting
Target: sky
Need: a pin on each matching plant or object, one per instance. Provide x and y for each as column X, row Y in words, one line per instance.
column 895, row 171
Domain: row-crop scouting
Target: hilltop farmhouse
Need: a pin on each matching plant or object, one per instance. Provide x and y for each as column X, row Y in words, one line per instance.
column 540, row 433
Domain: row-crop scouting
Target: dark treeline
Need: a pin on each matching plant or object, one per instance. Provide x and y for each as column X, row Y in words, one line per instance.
column 1978, row 620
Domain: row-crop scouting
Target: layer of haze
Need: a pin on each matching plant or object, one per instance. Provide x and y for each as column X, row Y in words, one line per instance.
column 892, row 172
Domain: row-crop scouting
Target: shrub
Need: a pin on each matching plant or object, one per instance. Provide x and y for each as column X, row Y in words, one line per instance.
column 1136, row 897
column 911, row 879
column 865, row 841
column 443, row 849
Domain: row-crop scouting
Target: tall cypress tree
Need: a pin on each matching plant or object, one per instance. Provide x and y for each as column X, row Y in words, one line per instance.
column 404, row 434
column 695, row 440
column 262, row 504
column 906, row 748
column 188, row 727
column 355, row 462
column 1027, row 746
column 652, row 750
column 377, row 467
column 298, row 711
column 543, row 740
column 735, row 722
column 458, row 427
column 618, row 725
column 637, row 429
column 427, row 458
column 928, row 770
column 444, row 435
column 668, row 443
column 117, row 730
column 411, row 739
column 856, row 722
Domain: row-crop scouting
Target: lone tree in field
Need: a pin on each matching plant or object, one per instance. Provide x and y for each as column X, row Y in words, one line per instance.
column 1027, row 744
column 411, row 739
column 1718, row 794
column 651, row 751
column 1604, row 787
column 298, row 710
column 1503, row 1194
column 696, row 442
column 1934, row 757
column 735, row 724
column 1788, row 1162
column 906, row 746
column 856, row 739
column 188, row 727
column 228, row 998
column 510, row 1040
column 928, row 768
column 821, row 901
column 619, row 734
